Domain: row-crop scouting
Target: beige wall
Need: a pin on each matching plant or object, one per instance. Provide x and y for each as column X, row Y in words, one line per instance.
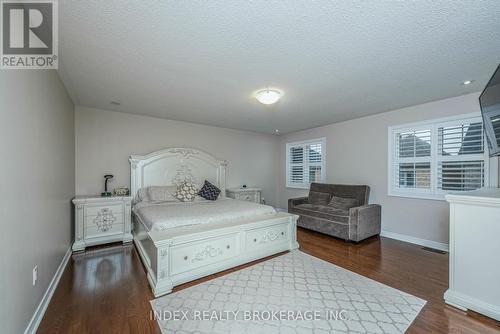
column 356, row 153
column 106, row 139
column 36, row 186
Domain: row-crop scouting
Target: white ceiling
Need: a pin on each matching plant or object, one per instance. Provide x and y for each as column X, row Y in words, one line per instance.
column 200, row 61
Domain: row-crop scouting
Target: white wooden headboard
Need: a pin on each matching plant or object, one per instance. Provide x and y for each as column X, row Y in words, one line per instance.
column 175, row 165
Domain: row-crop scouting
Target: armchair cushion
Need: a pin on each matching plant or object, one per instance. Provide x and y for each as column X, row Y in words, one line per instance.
column 342, row 203
column 319, row 198
column 323, row 211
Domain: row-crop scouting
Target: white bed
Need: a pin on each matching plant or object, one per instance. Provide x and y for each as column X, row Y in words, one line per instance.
column 166, row 215
column 179, row 242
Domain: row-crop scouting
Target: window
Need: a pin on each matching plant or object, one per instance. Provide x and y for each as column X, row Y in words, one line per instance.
column 305, row 163
column 430, row 159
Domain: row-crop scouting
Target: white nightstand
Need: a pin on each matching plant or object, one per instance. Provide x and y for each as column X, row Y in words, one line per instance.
column 245, row 194
column 99, row 220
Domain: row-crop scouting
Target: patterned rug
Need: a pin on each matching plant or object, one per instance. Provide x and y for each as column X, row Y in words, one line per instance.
column 292, row 293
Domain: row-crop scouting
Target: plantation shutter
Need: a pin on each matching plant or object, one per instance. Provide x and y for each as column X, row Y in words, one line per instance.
column 413, row 159
column 297, row 165
column 305, row 163
column 461, row 164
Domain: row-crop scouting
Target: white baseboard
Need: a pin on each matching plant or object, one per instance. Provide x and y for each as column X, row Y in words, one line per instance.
column 42, row 307
column 465, row 302
column 414, row 240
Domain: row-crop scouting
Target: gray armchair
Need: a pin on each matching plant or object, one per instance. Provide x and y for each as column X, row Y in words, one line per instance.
column 338, row 210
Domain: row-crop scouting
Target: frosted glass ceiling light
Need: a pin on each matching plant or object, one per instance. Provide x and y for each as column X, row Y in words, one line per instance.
column 268, row 96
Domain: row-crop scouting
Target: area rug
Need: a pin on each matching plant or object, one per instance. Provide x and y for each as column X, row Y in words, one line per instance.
column 292, row 293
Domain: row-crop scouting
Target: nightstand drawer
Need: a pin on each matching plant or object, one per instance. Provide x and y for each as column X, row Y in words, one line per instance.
column 111, row 208
column 96, row 226
column 104, row 219
column 93, row 231
column 250, row 197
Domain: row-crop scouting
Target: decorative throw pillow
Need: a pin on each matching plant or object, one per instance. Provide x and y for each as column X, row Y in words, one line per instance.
column 162, row 193
column 342, row 203
column 318, row 198
column 209, row 191
column 186, row 192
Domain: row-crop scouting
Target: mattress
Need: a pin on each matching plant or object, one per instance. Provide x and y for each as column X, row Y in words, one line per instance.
column 167, row 215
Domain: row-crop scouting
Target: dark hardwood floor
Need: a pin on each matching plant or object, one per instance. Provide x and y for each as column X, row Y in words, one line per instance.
column 105, row 289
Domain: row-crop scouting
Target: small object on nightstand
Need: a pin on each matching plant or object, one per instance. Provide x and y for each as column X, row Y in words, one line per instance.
column 100, row 220
column 244, row 186
column 245, row 194
column 106, row 193
column 123, row 191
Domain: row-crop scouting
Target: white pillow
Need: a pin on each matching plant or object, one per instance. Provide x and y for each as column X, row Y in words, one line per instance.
column 198, row 198
column 162, row 193
column 142, row 195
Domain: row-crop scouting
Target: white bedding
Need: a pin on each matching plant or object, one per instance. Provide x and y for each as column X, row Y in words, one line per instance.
column 166, row 215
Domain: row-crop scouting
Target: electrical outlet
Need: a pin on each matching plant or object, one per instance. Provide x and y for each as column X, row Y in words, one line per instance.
column 35, row 275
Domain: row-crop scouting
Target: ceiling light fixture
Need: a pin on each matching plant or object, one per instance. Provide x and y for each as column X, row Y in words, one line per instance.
column 268, row 96
column 467, row 82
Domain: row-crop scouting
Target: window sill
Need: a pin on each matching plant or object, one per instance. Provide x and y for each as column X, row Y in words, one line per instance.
column 298, row 187
column 418, row 196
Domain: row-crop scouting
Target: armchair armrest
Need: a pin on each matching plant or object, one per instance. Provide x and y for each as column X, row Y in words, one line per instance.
column 296, row 201
column 365, row 220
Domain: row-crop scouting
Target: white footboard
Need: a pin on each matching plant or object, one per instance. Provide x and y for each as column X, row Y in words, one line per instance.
column 184, row 254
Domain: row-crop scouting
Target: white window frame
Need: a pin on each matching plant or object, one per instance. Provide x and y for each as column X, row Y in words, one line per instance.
column 490, row 164
column 306, row 184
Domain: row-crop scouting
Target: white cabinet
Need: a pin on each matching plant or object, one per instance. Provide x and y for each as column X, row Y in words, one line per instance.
column 475, row 251
column 99, row 220
column 245, row 194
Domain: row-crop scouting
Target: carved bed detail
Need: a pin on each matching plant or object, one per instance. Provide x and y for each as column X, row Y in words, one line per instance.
column 163, row 253
column 183, row 174
column 270, row 236
column 172, row 166
column 209, row 251
column 183, row 151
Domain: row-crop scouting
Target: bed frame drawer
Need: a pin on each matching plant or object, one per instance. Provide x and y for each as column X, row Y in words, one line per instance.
column 267, row 236
column 191, row 256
